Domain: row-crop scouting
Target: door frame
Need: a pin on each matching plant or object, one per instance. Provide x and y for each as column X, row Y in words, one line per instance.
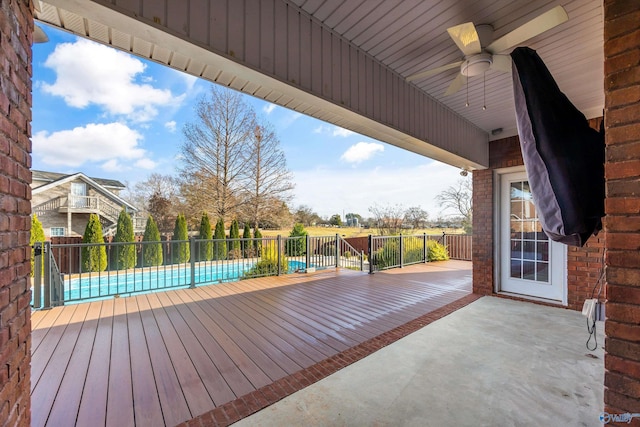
column 497, row 239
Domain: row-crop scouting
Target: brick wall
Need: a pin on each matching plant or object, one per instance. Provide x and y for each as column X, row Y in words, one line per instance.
column 482, row 247
column 584, row 265
column 622, row 171
column 16, row 28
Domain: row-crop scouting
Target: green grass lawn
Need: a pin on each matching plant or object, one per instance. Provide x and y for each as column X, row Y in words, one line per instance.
column 357, row 232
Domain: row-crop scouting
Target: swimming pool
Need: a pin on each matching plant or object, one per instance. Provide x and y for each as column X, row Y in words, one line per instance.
column 94, row 286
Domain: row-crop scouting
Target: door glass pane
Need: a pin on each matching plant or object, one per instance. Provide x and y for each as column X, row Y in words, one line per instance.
column 529, row 270
column 542, row 273
column 529, row 245
column 516, row 268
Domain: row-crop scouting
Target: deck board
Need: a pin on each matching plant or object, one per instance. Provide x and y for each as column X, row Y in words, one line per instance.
column 195, row 393
column 93, row 403
column 172, row 399
column 120, row 393
column 212, row 379
column 73, row 383
column 163, row 358
column 147, row 409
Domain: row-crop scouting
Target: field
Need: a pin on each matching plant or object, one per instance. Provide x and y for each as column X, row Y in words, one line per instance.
column 357, row 232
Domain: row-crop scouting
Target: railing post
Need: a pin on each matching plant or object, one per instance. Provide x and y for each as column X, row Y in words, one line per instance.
column 370, row 244
column 401, row 252
column 444, row 239
column 425, row 253
column 279, row 254
column 192, row 251
column 361, row 260
column 37, row 275
column 47, row 274
column 337, row 250
column 307, row 255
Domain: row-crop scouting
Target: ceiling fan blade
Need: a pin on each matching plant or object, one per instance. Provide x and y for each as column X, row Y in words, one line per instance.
column 466, row 37
column 538, row 25
column 456, row 85
column 433, row 71
column 501, row 63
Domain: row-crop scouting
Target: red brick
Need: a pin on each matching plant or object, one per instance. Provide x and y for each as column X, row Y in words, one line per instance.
column 627, row 241
column 625, row 60
column 627, row 313
column 624, row 349
column 623, row 276
column 620, row 44
column 624, row 96
column 622, row 384
column 627, row 367
column 619, row 170
column 626, row 23
column 623, row 134
column 617, row 403
column 624, row 259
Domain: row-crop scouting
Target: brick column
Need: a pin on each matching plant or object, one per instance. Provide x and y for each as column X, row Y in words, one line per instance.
column 16, row 29
column 482, row 248
column 622, row 172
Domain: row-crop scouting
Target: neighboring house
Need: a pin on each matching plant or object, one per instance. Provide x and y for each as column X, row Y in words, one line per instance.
column 64, row 202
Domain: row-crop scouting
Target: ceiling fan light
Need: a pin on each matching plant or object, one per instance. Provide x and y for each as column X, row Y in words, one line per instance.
column 476, row 65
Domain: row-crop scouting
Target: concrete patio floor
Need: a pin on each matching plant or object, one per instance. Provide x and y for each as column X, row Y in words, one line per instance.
column 495, row 362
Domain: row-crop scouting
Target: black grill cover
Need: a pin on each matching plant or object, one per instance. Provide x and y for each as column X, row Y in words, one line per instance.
column 563, row 156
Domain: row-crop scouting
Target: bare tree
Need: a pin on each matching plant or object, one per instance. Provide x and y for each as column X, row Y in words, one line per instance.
column 306, row 216
column 267, row 178
column 458, row 198
column 416, row 217
column 140, row 193
column 214, row 150
column 159, row 196
column 387, row 219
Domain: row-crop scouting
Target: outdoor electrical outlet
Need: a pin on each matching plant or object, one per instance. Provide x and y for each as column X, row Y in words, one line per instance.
column 589, row 309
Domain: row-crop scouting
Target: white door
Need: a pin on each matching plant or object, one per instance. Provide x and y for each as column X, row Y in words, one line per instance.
column 531, row 263
column 78, row 195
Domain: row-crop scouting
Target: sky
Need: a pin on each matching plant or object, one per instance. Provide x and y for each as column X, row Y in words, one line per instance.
column 113, row 115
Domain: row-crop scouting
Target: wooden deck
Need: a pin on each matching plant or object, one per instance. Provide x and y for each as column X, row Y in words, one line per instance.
column 163, row 358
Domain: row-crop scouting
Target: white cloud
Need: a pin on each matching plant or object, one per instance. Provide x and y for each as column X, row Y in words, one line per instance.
column 89, row 73
column 146, row 164
column 361, row 151
column 333, row 131
column 338, row 131
column 109, row 143
column 171, row 126
column 189, row 80
column 111, row 166
column 268, row 109
column 355, row 190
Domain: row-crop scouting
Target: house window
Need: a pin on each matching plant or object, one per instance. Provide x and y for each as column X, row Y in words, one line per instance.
column 57, row 231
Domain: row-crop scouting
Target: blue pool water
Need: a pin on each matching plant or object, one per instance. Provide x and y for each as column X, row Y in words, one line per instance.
column 93, row 286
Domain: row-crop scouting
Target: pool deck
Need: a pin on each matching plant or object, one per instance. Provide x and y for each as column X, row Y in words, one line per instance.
column 166, row 357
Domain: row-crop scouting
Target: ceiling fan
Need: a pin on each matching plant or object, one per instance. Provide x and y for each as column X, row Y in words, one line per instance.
column 481, row 52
